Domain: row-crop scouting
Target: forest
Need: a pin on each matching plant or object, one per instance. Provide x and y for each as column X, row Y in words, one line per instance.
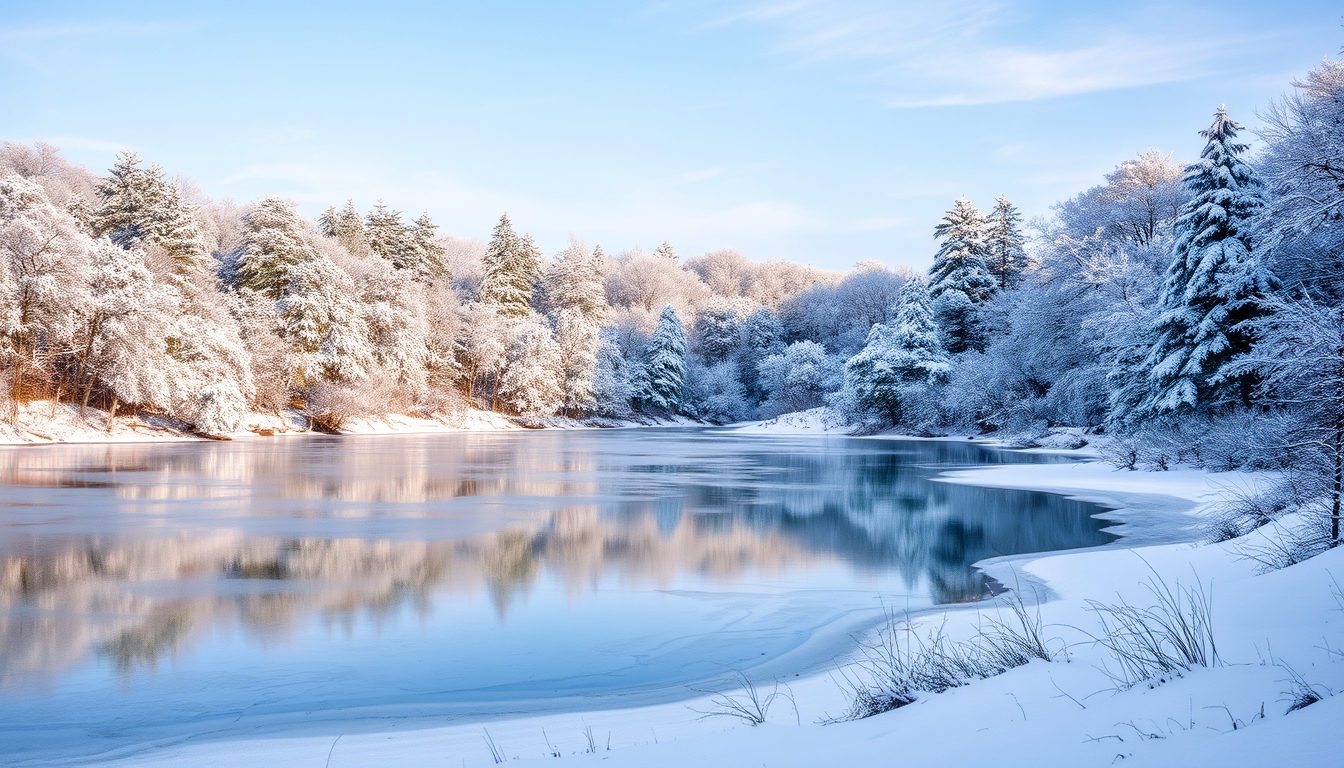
column 1186, row 312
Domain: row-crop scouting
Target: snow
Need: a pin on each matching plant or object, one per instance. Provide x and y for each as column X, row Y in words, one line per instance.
column 815, row 421
column 42, row 421
column 1061, row 712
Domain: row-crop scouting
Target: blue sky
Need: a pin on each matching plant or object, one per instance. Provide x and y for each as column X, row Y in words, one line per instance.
column 822, row 132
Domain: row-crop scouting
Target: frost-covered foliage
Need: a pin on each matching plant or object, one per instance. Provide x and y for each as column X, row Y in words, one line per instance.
column 139, row 206
column 839, row 315
column 530, row 383
column 960, row 280
column 1212, row 291
column 898, row 359
column 512, row 264
column 661, row 383
column 799, row 378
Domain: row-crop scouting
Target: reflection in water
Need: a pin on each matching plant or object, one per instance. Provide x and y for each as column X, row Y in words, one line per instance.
column 153, row 557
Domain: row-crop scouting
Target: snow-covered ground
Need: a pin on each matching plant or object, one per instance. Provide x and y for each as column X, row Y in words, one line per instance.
column 817, row 421
column 1065, row 712
column 46, row 422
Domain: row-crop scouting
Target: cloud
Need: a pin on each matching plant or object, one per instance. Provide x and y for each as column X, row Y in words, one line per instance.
column 925, row 53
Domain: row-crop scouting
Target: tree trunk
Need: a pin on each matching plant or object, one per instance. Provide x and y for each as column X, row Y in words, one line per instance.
column 112, row 414
column 1339, row 480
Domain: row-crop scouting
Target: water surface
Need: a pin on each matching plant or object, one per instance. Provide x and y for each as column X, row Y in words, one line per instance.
column 158, row 591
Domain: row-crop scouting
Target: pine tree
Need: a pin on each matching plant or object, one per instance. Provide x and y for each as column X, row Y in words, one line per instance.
column 1003, row 242
column 960, row 280
column 272, row 245
column 578, row 340
column 665, row 251
column 760, row 335
column 347, row 227
column 662, row 379
column 428, row 265
column 576, row 279
column 907, row 352
column 512, row 264
column 1212, row 288
column 139, row 206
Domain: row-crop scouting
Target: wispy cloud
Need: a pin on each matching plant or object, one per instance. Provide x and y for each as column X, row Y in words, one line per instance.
column 934, row 53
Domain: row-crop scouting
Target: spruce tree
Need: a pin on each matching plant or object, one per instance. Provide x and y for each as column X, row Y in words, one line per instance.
column 1003, row 242
column 906, row 352
column 512, row 264
column 273, row 245
column 1212, row 288
column 347, row 227
column 428, row 264
column 960, row 280
column 139, row 206
column 662, row 379
column 576, row 279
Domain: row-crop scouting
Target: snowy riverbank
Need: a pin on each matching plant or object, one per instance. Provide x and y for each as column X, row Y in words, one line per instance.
column 1061, row 712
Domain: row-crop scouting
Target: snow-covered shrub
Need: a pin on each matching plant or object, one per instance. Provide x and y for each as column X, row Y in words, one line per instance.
column 220, row 409
column 717, row 394
column 331, row 405
column 798, row 379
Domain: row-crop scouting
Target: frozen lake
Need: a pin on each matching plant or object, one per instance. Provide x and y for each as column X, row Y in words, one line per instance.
column 155, row 592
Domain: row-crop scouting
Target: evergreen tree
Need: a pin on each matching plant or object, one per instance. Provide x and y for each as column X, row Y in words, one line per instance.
column 665, row 251
column 960, row 280
column 578, row 341
column 760, row 335
column 662, row 380
column 347, row 227
column 428, row 265
column 512, row 264
column 1212, row 288
column 1003, row 242
column 139, row 206
column 905, row 353
column 576, row 280
column 273, row 244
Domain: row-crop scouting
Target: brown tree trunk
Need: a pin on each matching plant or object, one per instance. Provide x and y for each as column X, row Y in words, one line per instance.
column 112, row 414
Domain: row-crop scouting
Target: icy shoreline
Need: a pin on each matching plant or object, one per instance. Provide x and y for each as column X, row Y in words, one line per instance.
column 1064, row 713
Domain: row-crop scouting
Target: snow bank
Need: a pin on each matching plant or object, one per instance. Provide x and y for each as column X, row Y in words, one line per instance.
column 1056, row 713
column 49, row 422
column 816, row 421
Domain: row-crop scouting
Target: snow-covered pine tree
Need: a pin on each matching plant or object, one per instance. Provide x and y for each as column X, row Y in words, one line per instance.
column 321, row 319
column 512, row 264
column 139, row 206
column 347, row 227
column 613, row 379
column 662, row 378
column 904, row 353
column 389, row 237
column 576, row 279
column 429, row 265
column 665, row 251
column 273, row 244
column 960, row 280
column 1212, row 288
column 760, row 335
column 1003, row 242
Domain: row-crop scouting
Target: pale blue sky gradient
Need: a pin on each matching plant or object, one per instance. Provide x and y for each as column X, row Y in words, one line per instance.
column 822, row 132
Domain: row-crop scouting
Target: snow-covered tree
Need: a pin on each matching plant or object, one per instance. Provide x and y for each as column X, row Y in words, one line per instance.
column 273, row 244
column 760, row 335
column 716, row 394
column 799, row 378
column 613, row 379
column 323, row 323
column 512, row 265
column 138, row 206
column 1301, row 228
column 906, row 353
column 530, row 384
column 578, row 340
column 411, row 247
column 665, row 251
column 1212, row 288
column 346, row 226
column 960, row 280
column 1005, row 256
column 717, row 331
column 576, row 279
column 661, row 383
column 44, row 260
